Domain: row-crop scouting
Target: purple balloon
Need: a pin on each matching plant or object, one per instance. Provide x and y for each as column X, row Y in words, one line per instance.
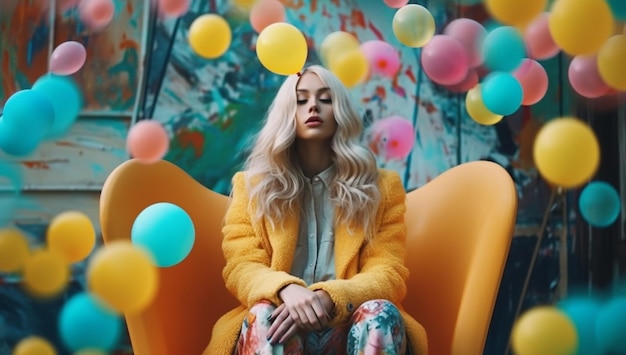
column 67, row 58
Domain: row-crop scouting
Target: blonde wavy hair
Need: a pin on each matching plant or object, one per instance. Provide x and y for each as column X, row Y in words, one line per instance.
column 273, row 179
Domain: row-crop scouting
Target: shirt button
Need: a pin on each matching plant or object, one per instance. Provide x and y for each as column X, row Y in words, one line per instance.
column 316, row 179
column 350, row 307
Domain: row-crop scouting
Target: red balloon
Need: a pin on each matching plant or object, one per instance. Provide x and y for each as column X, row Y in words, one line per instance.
column 444, row 60
column 147, row 141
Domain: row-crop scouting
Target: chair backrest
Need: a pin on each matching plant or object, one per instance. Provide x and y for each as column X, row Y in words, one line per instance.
column 459, row 230
column 460, row 226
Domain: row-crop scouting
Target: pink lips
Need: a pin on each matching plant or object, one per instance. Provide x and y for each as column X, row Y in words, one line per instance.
column 314, row 120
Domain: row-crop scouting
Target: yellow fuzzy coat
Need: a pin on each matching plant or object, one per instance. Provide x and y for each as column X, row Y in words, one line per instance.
column 259, row 259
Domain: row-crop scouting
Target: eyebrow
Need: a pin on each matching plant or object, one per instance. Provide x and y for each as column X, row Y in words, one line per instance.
column 319, row 90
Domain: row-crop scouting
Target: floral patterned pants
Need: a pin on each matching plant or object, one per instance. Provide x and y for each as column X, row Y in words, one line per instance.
column 375, row 328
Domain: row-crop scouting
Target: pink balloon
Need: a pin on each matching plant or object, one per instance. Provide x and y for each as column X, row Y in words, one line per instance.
column 584, row 76
column 534, row 80
column 444, row 60
column 539, row 42
column 471, row 34
column 67, row 58
column 396, row 4
column 471, row 80
column 265, row 13
column 96, row 14
column 147, row 141
column 382, row 57
column 173, row 8
column 393, row 137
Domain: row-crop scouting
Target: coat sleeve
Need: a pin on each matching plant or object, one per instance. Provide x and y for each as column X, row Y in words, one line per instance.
column 247, row 274
column 382, row 272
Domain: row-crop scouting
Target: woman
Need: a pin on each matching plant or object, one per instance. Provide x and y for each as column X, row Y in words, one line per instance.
column 314, row 237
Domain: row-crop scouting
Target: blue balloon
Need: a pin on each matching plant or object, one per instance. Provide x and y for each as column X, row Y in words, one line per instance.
column 166, row 231
column 29, row 111
column 66, row 99
column 503, row 49
column 16, row 141
column 85, row 323
column 502, row 93
column 582, row 312
column 599, row 204
column 610, row 330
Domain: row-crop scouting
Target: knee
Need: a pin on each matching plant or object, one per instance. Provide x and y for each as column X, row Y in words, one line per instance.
column 379, row 306
column 260, row 311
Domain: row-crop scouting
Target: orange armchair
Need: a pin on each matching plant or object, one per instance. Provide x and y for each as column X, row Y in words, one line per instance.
column 459, row 231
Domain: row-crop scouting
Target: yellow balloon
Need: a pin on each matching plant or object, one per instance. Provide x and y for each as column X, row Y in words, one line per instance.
column 245, row 4
column 14, row 250
column 123, row 276
column 580, row 26
column 46, row 273
column 282, row 48
column 210, row 36
column 477, row 110
column 351, row 67
column 516, row 13
column 335, row 44
column 566, row 152
column 612, row 62
column 34, row 345
column 544, row 330
column 413, row 25
column 72, row 235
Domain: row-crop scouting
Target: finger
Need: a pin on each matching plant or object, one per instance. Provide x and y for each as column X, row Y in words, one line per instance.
column 292, row 331
column 311, row 321
column 281, row 330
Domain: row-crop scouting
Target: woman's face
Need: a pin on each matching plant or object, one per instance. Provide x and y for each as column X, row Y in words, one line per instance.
column 315, row 119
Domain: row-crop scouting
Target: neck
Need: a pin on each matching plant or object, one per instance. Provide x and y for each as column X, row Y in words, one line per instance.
column 314, row 157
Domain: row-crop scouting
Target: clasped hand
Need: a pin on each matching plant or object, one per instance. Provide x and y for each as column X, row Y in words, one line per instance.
column 302, row 309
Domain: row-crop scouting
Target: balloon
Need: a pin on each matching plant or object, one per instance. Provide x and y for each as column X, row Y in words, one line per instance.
column 566, row 152
column 502, row 93
column 173, row 8
column 580, row 26
column 544, row 330
column 585, row 78
column 123, row 276
column 66, row 98
column 67, row 58
column 72, row 235
column 471, row 35
column 444, row 60
column 147, row 141
column 14, row 250
column 90, row 352
column 413, row 25
column 209, row 36
column 599, row 204
column 245, row 4
column 582, row 312
column 34, row 345
column 85, row 322
column 15, row 141
column 46, row 273
column 96, row 14
column 351, row 67
column 611, row 59
column 477, row 110
column 394, row 137
column 539, row 42
column 335, row 44
column 395, row 4
column 515, row 12
column 12, row 177
column 265, row 13
column 610, row 331
column 470, row 81
column 282, row 48
column 618, row 7
column 382, row 57
column 503, row 49
column 29, row 112
column 166, row 231
column 534, row 80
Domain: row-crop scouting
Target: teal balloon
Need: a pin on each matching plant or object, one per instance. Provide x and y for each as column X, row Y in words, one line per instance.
column 618, row 7
column 66, row 98
column 502, row 93
column 582, row 312
column 9, row 197
column 599, row 204
column 16, row 141
column 29, row 111
column 503, row 49
column 85, row 322
column 166, row 231
column 610, row 327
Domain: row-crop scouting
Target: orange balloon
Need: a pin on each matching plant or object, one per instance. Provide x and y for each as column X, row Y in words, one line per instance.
column 515, row 12
column 612, row 62
column 46, row 273
column 123, row 276
column 580, row 26
column 72, row 235
column 265, row 13
column 147, row 141
column 14, row 250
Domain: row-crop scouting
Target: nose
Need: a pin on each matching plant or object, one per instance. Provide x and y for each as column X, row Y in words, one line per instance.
column 314, row 107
